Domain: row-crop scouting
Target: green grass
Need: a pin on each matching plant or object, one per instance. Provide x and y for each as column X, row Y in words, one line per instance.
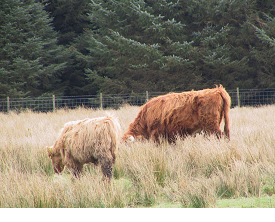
column 250, row 202
column 242, row 202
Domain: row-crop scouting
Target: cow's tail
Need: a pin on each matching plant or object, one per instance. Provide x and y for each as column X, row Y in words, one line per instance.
column 226, row 108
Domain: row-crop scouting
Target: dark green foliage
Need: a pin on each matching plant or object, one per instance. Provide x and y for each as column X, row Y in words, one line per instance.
column 137, row 49
column 173, row 46
column 263, row 53
column 70, row 19
column 30, row 60
column 132, row 46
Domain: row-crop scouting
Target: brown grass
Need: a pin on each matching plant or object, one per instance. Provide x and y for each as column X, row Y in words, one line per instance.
column 195, row 172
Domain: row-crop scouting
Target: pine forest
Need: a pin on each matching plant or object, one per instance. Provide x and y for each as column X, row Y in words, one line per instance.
column 71, row 47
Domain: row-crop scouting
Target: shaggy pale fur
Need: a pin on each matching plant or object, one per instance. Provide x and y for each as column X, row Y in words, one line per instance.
column 182, row 114
column 86, row 141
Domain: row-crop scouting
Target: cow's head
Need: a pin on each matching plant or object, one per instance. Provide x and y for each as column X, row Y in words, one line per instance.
column 128, row 138
column 131, row 138
column 56, row 158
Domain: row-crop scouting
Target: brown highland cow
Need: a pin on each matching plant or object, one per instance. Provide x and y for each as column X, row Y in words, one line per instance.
column 86, row 141
column 182, row 114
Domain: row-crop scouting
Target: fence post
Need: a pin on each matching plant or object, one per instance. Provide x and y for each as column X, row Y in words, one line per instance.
column 8, row 104
column 147, row 97
column 101, row 101
column 53, row 103
column 238, row 97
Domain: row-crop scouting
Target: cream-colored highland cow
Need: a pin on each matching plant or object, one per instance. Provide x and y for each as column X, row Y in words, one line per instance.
column 86, row 141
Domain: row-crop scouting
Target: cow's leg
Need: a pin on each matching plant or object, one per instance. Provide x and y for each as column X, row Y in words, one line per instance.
column 210, row 121
column 213, row 129
column 106, row 166
column 76, row 169
column 155, row 136
column 73, row 165
column 94, row 161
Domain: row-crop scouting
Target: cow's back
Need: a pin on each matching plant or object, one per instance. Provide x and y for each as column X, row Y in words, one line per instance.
column 91, row 137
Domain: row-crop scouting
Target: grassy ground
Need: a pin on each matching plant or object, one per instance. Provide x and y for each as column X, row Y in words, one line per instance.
column 251, row 202
column 196, row 172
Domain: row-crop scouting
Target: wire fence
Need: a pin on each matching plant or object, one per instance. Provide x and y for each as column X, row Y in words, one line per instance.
column 239, row 97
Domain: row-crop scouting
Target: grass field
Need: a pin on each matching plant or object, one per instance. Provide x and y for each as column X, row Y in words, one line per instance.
column 196, row 172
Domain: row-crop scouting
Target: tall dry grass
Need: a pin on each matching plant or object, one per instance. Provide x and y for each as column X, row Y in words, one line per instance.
column 194, row 172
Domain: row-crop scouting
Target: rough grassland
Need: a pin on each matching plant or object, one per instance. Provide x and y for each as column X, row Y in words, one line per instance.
column 196, row 172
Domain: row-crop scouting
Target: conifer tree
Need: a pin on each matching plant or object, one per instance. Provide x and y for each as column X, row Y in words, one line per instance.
column 173, row 45
column 30, row 60
column 70, row 20
column 137, row 47
column 160, row 45
column 262, row 25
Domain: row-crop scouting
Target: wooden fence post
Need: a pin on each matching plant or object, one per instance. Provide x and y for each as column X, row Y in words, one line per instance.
column 238, row 97
column 8, row 104
column 147, row 97
column 53, row 103
column 101, row 101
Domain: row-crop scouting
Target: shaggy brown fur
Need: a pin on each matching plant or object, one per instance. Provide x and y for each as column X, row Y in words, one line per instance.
column 86, row 141
column 182, row 114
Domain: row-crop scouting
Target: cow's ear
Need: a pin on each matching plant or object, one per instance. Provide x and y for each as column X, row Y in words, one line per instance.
column 50, row 152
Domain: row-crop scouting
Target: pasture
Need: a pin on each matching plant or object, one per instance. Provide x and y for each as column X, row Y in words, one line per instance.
column 195, row 172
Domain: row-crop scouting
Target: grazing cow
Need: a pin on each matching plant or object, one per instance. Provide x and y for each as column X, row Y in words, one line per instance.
column 86, row 141
column 182, row 114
